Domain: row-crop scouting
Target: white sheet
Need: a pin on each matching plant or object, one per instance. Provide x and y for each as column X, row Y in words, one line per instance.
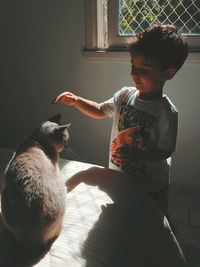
column 130, row 232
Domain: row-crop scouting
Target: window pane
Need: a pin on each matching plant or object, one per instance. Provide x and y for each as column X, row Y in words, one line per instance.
column 136, row 15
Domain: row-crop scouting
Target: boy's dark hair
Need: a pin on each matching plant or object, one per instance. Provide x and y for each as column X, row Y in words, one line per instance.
column 161, row 44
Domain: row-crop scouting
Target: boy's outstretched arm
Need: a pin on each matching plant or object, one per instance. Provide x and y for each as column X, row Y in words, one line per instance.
column 88, row 107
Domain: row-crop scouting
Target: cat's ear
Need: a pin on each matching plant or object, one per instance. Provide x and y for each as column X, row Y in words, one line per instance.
column 55, row 118
column 67, row 126
column 63, row 127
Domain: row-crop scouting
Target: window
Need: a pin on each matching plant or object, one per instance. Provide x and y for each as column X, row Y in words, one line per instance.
column 137, row 15
column 110, row 22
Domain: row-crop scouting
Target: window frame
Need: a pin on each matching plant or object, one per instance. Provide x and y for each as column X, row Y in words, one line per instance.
column 102, row 39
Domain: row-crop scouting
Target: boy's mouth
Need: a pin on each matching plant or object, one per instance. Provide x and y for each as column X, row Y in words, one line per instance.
column 138, row 83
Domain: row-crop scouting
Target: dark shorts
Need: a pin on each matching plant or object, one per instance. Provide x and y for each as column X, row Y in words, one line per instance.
column 161, row 198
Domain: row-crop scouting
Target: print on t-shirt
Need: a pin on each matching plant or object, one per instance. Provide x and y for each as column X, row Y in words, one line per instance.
column 134, row 127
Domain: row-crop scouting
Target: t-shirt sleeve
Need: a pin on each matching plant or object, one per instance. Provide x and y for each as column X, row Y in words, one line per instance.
column 108, row 106
column 167, row 130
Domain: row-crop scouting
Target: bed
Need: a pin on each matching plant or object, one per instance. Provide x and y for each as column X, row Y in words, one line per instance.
column 107, row 226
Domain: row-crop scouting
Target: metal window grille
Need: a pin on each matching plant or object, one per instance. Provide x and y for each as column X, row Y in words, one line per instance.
column 136, row 15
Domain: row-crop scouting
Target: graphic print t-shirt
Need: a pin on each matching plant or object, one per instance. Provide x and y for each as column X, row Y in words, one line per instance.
column 142, row 125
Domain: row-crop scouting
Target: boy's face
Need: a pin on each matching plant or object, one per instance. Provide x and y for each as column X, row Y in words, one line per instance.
column 148, row 79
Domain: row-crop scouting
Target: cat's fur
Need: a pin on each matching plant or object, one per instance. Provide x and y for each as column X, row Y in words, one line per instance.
column 33, row 200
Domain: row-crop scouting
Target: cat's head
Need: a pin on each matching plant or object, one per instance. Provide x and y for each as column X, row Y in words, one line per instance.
column 51, row 132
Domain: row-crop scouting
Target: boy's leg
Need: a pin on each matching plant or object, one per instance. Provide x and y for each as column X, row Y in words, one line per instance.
column 161, row 198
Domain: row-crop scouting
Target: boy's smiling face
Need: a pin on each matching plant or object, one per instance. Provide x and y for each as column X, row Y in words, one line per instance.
column 149, row 80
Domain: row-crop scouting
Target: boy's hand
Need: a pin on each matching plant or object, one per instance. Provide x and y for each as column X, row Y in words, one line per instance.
column 126, row 155
column 66, row 98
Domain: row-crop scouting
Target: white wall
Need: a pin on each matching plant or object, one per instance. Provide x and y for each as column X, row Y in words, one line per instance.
column 41, row 57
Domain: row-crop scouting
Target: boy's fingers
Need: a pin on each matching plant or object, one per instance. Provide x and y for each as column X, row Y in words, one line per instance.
column 121, row 150
column 120, row 155
column 56, row 100
column 59, row 97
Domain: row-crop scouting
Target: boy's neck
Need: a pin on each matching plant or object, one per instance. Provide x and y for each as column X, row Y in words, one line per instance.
column 151, row 96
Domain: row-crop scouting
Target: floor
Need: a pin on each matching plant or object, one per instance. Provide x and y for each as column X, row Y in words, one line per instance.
column 184, row 209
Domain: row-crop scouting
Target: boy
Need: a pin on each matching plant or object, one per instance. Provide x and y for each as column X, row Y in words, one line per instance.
column 145, row 121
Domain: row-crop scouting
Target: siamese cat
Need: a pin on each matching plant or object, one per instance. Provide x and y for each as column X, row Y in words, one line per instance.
column 33, row 200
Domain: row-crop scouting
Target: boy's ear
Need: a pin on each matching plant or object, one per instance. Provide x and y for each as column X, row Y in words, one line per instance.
column 169, row 74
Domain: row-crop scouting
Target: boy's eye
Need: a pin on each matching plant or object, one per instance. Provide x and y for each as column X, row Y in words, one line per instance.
column 143, row 71
column 139, row 70
column 133, row 68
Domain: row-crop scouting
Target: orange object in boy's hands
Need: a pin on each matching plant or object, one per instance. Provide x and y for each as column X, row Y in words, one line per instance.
column 66, row 98
column 123, row 155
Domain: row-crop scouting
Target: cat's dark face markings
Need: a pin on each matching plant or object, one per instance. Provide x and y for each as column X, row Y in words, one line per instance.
column 53, row 133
